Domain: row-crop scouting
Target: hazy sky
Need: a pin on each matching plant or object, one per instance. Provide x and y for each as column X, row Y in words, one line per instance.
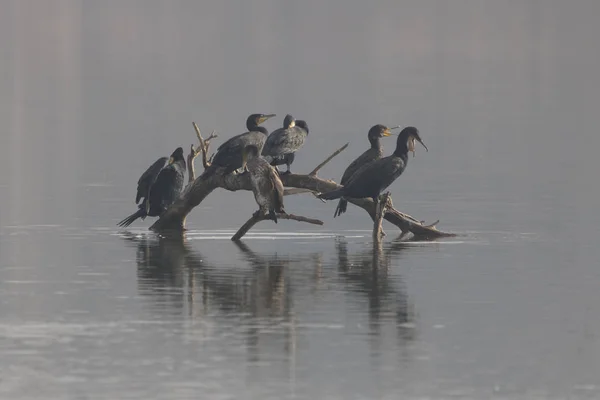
column 92, row 92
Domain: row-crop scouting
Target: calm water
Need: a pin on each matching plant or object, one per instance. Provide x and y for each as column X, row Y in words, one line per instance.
column 505, row 95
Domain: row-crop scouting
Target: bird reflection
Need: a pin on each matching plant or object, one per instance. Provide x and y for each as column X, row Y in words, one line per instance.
column 369, row 273
column 257, row 300
column 174, row 274
column 256, row 297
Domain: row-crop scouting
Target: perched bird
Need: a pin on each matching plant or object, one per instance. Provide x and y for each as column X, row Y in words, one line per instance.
column 285, row 159
column 147, row 180
column 229, row 154
column 374, row 153
column 266, row 184
column 164, row 191
column 375, row 177
column 282, row 143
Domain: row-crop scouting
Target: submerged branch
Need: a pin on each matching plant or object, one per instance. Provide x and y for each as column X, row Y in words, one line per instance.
column 380, row 209
column 256, row 218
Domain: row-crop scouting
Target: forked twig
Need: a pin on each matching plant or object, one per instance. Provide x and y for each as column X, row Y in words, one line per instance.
column 204, row 144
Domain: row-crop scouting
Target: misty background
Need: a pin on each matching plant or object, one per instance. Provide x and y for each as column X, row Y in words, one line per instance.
column 505, row 95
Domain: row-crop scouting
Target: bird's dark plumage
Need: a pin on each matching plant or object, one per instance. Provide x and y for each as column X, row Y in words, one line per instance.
column 374, row 153
column 282, row 143
column 229, row 154
column 266, row 184
column 164, row 191
column 148, row 178
column 375, row 177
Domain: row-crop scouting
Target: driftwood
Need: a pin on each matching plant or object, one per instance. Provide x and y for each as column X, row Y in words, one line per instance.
column 197, row 190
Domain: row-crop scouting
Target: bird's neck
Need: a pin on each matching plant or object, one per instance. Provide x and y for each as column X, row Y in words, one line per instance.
column 402, row 147
column 402, row 152
column 375, row 143
column 258, row 129
column 181, row 163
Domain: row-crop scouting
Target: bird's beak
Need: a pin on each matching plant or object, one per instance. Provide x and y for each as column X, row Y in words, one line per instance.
column 265, row 117
column 411, row 144
column 171, row 160
column 388, row 130
column 422, row 144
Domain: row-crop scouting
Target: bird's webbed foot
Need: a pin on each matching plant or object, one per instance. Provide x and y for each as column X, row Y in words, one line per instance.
column 241, row 171
column 383, row 196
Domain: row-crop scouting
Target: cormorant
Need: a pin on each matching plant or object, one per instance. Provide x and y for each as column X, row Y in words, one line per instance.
column 284, row 142
column 374, row 178
column 374, row 153
column 164, row 191
column 286, row 159
column 147, row 180
column 266, row 184
column 229, row 154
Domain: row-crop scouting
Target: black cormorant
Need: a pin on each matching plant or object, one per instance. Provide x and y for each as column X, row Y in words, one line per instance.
column 374, row 153
column 147, row 180
column 164, row 191
column 286, row 159
column 374, row 178
column 284, row 142
column 266, row 184
column 229, row 154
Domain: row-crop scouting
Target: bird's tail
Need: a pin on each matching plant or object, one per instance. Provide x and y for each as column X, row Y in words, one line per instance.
column 140, row 213
column 335, row 194
column 273, row 215
column 341, row 207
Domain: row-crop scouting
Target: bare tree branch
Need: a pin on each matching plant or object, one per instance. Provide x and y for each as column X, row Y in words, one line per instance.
column 204, row 144
column 190, row 163
column 256, row 218
column 291, row 191
column 196, row 192
column 335, row 153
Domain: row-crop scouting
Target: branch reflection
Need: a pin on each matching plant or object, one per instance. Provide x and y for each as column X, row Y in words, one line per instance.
column 253, row 294
column 369, row 273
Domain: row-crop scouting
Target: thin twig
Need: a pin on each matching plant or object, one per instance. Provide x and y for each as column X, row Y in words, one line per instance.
column 204, row 144
column 190, row 163
column 198, row 134
column 256, row 218
column 212, row 136
column 335, row 153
